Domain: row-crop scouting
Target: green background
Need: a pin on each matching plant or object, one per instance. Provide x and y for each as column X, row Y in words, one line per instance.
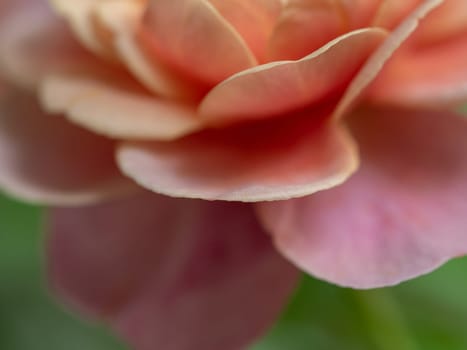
column 428, row 313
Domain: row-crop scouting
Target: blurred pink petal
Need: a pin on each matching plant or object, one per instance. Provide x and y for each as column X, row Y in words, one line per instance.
column 401, row 215
column 45, row 159
column 277, row 160
column 180, row 275
column 79, row 15
column 34, row 43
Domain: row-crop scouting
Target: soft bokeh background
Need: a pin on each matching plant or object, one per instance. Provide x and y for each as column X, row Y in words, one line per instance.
column 429, row 313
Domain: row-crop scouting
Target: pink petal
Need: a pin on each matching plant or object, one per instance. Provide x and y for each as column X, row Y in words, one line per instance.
column 280, row 159
column 170, row 274
column 391, row 13
column 44, row 159
column 254, row 20
column 284, row 86
column 117, row 109
column 81, row 18
column 33, row 43
column 193, row 37
column 429, row 76
column 447, row 21
column 379, row 58
column 325, row 19
column 401, row 215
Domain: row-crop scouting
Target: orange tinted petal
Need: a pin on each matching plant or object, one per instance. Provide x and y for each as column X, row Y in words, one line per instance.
column 447, row 21
column 117, row 111
column 193, row 37
column 378, row 59
column 433, row 76
column 306, row 25
column 303, row 27
column 269, row 161
column 254, row 20
column 284, row 86
column 392, row 12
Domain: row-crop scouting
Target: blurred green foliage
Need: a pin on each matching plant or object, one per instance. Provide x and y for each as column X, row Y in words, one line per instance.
column 429, row 313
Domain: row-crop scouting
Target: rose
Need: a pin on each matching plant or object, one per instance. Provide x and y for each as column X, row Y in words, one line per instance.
column 240, row 101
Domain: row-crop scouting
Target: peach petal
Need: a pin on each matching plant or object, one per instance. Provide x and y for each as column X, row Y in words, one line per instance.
column 193, row 37
column 44, row 159
column 254, row 20
column 361, row 13
column 33, row 43
column 79, row 15
column 391, row 13
column 157, row 268
column 291, row 39
column 401, row 215
column 279, row 87
column 431, row 77
column 447, row 21
column 122, row 20
column 378, row 59
column 115, row 111
column 268, row 161
column 325, row 19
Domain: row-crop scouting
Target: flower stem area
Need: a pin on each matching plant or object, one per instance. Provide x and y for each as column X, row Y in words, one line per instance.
column 428, row 313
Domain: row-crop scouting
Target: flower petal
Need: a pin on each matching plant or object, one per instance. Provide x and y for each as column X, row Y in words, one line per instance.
column 45, row 159
column 122, row 19
column 391, row 13
column 34, row 43
column 254, row 20
column 401, row 215
column 377, row 60
column 280, row 159
column 405, row 80
column 80, row 16
column 325, row 19
column 193, row 37
column 117, row 111
column 284, row 86
column 447, row 21
column 170, row 274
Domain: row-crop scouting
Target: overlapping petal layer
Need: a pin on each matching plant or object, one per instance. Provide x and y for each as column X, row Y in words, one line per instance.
column 276, row 160
column 401, row 215
column 434, row 75
column 254, row 20
column 175, row 276
column 285, row 86
column 373, row 67
column 45, row 159
column 34, row 43
column 325, row 19
column 192, row 36
column 118, row 109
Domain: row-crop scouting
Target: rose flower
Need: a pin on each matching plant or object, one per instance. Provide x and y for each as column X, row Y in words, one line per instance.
column 185, row 147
